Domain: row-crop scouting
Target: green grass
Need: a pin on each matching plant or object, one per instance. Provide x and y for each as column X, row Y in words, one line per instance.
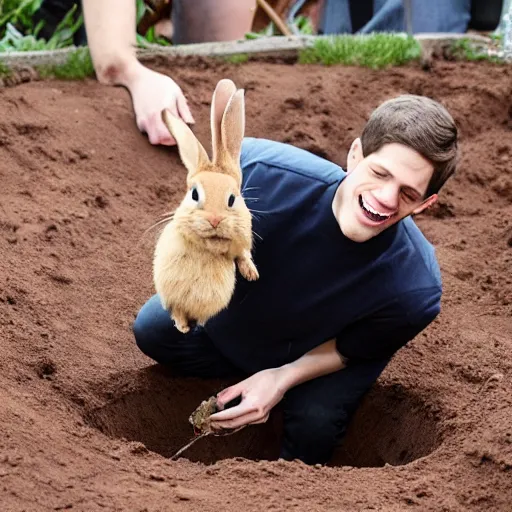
column 19, row 14
column 77, row 67
column 238, row 58
column 373, row 51
column 465, row 49
column 18, row 32
column 4, row 70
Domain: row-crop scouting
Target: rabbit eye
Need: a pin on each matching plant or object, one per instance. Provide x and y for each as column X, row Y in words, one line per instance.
column 195, row 194
column 231, row 200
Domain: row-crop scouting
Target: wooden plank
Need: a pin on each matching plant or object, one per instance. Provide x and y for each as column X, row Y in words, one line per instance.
column 275, row 45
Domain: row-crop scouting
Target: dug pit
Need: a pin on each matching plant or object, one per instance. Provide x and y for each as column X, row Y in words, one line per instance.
column 392, row 426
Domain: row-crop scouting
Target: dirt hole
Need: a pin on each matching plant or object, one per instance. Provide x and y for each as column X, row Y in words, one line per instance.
column 391, row 426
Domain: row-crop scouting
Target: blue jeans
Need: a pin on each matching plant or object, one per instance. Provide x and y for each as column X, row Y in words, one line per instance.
column 388, row 16
column 315, row 413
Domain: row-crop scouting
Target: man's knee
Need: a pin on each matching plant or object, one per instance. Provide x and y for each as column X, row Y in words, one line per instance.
column 143, row 334
column 313, row 433
column 150, row 326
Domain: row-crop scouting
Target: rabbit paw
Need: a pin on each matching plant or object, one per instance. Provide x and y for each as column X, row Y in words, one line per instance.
column 181, row 321
column 247, row 267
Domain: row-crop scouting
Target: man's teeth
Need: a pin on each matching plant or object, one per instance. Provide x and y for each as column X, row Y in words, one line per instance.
column 371, row 210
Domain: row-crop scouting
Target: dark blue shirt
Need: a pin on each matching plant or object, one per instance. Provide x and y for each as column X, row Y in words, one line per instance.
column 316, row 284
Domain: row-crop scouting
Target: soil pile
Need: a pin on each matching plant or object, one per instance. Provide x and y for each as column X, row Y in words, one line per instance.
column 87, row 421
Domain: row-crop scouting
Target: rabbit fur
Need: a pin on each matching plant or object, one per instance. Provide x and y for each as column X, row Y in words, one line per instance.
column 211, row 231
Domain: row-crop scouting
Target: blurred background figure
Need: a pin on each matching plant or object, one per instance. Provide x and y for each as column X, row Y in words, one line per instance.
column 366, row 16
column 194, row 21
column 113, row 28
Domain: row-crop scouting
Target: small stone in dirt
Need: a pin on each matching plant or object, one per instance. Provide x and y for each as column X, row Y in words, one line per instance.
column 45, row 368
column 138, row 448
column 101, row 202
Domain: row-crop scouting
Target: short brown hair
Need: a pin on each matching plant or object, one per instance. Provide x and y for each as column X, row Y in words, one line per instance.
column 420, row 123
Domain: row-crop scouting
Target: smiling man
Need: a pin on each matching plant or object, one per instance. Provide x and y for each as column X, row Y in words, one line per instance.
column 346, row 278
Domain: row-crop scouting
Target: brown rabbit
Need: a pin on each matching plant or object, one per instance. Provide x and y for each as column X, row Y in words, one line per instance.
column 195, row 255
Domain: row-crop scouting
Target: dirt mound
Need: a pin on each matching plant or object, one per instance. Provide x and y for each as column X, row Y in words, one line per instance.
column 88, row 423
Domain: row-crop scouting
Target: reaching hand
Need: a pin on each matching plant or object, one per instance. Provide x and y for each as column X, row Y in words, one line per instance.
column 151, row 92
column 260, row 393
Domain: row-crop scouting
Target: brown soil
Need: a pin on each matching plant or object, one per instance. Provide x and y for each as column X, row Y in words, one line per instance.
column 87, row 421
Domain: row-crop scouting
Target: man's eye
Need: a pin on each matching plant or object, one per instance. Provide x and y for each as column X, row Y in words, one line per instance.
column 195, row 194
column 379, row 174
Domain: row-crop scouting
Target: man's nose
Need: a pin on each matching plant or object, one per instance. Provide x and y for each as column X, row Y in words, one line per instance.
column 388, row 196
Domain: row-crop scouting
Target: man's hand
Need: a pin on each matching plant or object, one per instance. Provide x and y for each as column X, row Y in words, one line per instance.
column 260, row 393
column 265, row 389
column 151, row 92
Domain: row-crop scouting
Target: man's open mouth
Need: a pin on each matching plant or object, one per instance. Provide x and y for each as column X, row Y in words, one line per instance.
column 371, row 213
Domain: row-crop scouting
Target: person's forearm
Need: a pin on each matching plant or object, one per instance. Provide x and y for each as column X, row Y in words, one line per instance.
column 322, row 360
column 111, row 31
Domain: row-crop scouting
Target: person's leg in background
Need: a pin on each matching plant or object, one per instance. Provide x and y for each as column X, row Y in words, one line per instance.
column 427, row 16
column 192, row 354
column 389, row 16
column 316, row 414
column 211, row 20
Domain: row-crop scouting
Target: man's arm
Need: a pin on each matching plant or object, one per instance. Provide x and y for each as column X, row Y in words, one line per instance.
column 111, row 37
column 322, row 360
column 376, row 337
column 262, row 391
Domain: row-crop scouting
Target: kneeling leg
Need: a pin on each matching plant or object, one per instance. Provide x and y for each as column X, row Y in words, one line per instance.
column 316, row 413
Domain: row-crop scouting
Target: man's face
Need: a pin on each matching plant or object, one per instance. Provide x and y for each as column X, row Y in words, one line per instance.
column 381, row 189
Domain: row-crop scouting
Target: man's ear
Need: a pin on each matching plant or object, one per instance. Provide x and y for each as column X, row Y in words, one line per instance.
column 355, row 155
column 425, row 204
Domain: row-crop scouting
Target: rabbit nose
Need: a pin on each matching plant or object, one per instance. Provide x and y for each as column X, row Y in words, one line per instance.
column 214, row 220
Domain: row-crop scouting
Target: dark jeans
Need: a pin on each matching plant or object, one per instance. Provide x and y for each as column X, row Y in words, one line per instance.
column 316, row 413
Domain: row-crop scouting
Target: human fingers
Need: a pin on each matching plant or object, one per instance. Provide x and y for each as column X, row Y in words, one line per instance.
column 183, row 109
column 262, row 420
column 234, row 412
column 228, row 394
column 158, row 132
column 245, row 419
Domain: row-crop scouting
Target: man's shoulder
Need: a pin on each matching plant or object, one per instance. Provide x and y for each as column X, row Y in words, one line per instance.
column 420, row 265
column 295, row 162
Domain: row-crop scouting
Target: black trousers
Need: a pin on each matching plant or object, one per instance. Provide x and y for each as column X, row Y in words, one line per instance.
column 315, row 413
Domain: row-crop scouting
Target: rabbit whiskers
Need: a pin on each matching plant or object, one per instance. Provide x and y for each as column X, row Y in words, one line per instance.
column 249, row 188
column 169, row 217
column 256, row 234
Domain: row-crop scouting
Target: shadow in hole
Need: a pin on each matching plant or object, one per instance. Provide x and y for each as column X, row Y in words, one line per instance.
column 153, row 407
column 391, row 426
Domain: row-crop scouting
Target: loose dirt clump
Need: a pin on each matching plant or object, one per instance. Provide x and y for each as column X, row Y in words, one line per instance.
column 89, row 423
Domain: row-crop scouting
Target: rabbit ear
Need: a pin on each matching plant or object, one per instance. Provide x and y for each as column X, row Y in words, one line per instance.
column 221, row 96
column 192, row 153
column 233, row 126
